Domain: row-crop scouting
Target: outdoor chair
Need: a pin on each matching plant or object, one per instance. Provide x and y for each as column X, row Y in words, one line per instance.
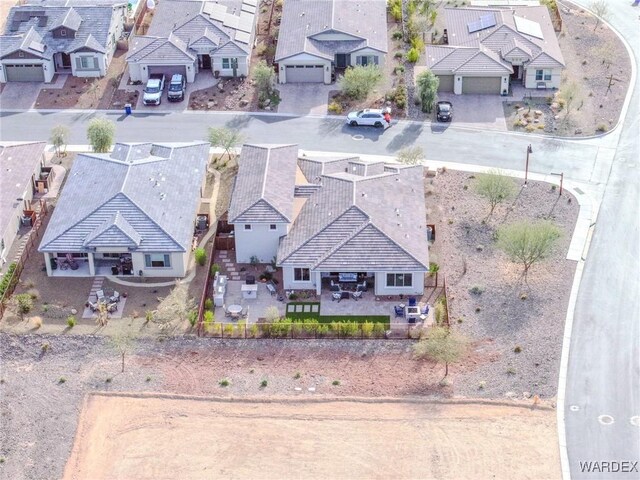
column 115, row 297
column 112, row 307
column 357, row 295
column 362, row 287
column 412, row 301
column 399, row 311
column 92, row 306
column 271, row 287
column 227, row 313
column 100, row 295
column 245, row 313
column 336, row 296
column 425, row 310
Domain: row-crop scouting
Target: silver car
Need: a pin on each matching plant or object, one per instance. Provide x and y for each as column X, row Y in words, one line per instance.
column 373, row 117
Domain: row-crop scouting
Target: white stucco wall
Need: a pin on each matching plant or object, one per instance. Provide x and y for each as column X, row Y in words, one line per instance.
column 531, row 82
column 242, row 70
column 289, row 283
column 304, row 59
column 367, row 52
column 177, row 269
column 49, row 67
column 101, row 71
column 417, row 287
column 260, row 241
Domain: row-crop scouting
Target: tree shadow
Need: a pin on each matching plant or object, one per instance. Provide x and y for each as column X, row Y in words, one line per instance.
column 406, row 137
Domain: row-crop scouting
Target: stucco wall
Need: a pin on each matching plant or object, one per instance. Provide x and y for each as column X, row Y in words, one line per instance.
column 290, row 284
column 243, row 66
column 531, row 82
column 260, row 241
column 177, row 269
column 304, row 59
column 416, row 288
column 49, row 68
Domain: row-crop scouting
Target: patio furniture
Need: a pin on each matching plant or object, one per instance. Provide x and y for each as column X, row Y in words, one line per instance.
column 336, row 296
column 115, row 297
column 412, row 301
column 92, row 306
column 271, row 288
column 412, row 313
column 234, row 309
column 115, row 270
column 356, row 295
column 335, row 288
column 249, row 291
column 348, row 277
column 112, row 307
column 425, row 310
column 100, row 295
column 362, row 287
column 250, row 280
column 71, row 261
column 399, row 310
column 227, row 313
column 244, row 313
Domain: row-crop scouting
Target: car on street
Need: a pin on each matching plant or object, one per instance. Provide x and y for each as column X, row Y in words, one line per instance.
column 444, row 111
column 152, row 93
column 373, row 117
column 177, row 87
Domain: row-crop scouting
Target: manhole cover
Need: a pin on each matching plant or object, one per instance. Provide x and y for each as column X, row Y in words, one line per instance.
column 357, row 137
column 605, row 419
column 635, row 420
column 574, row 408
column 577, row 190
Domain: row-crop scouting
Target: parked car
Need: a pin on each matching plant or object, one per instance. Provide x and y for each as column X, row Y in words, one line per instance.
column 152, row 94
column 177, row 88
column 369, row 117
column 444, row 111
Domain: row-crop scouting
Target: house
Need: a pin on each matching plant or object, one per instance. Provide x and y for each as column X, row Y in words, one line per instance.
column 487, row 49
column 331, row 218
column 186, row 37
column 318, row 36
column 41, row 41
column 20, row 167
column 129, row 212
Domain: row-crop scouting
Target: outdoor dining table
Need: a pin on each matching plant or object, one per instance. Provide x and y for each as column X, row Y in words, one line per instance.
column 234, row 309
column 411, row 313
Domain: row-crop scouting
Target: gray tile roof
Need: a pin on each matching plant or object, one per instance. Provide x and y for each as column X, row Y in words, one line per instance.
column 161, row 50
column 374, row 222
column 141, row 196
column 17, row 164
column 500, row 39
column 29, row 25
column 263, row 192
column 364, row 21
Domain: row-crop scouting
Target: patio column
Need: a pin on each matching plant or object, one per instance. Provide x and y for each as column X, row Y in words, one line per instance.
column 47, row 263
column 92, row 268
column 318, row 283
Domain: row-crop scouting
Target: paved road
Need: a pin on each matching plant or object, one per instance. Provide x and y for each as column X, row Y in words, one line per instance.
column 603, row 377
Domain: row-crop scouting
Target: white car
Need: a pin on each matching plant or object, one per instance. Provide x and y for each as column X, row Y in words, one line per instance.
column 373, row 117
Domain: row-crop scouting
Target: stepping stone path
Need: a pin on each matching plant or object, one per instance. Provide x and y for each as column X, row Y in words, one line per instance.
column 95, row 286
column 229, row 266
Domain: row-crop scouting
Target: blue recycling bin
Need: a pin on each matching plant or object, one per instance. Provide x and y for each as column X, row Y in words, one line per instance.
column 127, row 109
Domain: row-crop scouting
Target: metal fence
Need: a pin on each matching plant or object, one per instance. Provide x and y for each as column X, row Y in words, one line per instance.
column 34, row 236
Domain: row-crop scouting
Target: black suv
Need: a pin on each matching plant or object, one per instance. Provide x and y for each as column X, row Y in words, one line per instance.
column 444, row 111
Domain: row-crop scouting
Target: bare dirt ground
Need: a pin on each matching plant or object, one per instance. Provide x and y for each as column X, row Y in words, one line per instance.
column 329, row 439
column 42, row 390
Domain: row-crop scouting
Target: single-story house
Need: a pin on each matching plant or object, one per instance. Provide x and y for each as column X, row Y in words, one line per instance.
column 41, row 41
column 129, row 212
column 186, row 37
column 20, row 167
column 328, row 218
column 318, row 36
column 487, row 49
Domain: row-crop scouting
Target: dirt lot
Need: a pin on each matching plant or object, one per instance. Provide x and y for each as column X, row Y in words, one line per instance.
column 329, row 439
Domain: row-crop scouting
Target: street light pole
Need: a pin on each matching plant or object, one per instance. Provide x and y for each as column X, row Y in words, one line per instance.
column 526, row 167
column 561, row 175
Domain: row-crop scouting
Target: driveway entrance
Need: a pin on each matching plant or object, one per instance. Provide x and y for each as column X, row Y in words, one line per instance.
column 304, row 98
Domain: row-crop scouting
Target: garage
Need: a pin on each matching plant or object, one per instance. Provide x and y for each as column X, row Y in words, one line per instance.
column 446, row 83
column 305, row 74
column 168, row 70
column 482, row 85
column 24, row 73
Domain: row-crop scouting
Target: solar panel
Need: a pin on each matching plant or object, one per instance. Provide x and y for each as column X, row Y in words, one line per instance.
column 248, row 8
column 246, row 24
column 528, row 27
column 208, row 8
column 231, row 20
column 485, row 21
column 243, row 37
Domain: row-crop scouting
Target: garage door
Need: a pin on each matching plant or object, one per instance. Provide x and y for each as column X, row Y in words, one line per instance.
column 446, row 83
column 481, row 85
column 168, row 70
column 305, row 74
column 24, row 73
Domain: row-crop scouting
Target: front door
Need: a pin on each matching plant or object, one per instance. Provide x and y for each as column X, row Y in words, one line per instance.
column 516, row 75
column 66, row 60
column 341, row 60
column 206, row 62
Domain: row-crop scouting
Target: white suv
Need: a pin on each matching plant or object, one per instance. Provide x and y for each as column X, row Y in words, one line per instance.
column 369, row 116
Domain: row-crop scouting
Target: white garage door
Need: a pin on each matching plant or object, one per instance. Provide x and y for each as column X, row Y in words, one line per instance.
column 168, row 70
column 305, row 74
column 481, row 85
column 24, row 73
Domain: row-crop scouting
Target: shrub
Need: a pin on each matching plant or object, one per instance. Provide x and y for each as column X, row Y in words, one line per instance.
column 358, row 82
column 518, row 349
column 367, row 329
column 400, row 96
column 601, row 128
column 24, row 304
column 261, row 49
column 335, row 107
column 476, row 290
column 37, row 322
column 108, row 379
column 100, row 134
column 229, row 328
column 378, row 330
column 413, row 55
column 264, row 77
column 263, row 384
column 335, row 383
column 7, row 278
column 398, row 54
column 208, row 304
column 192, row 316
column 427, row 89
column 62, row 380
column 417, row 44
column 215, row 268
column 71, row 321
column 224, row 382
column 297, row 375
column 530, row 128
column 397, row 36
column 207, row 319
column 200, row 256
column 395, row 9
column 398, row 70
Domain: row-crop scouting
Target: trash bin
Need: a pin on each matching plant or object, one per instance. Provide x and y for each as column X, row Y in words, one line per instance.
column 127, row 108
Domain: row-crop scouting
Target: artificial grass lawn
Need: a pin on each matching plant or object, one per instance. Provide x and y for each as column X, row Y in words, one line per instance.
column 309, row 313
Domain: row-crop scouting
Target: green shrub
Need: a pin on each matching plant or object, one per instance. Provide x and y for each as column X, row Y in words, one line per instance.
column 208, row 304
column 359, row 81
column 263, row 384
column 418, row 44
column 378, row 330
column 62, row 380
column 297, row 375
column 224, row 382
column 24, row 303
column 397, row 36
column 601, row 128
column 335, row 383
column 193, row 317
column 398, row 70
column 335, row 107
column 398, row 54
column 400, row 96
column 215, row 268
column 71, row 321
column 7, row 278
column 253, row 331
column 367, row 329
column 395, row 9
column 476, row 290
column 229, row 329
column 201, row 256
column 413, row 55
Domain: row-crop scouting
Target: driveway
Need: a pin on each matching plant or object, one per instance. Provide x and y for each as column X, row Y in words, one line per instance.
column 304, row 98
column 23, row 95
column 479, row 111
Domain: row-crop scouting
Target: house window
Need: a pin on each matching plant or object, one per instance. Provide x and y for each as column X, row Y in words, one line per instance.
column 399, row 279
column 157, row 260
column 229, row 63
column 301, row 275
column 543, row 75
column 365, row 60
column 63, row 33
column 273, row 226
column 87, row 63
column 247, row 226
column 21, row 54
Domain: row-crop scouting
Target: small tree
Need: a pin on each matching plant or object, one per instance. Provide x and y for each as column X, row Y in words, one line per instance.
column 271, row 314
column 174, row 308
column 122, row 343
column 495, row 187
column 359, row 81
column 528, row 242
column 427, row 85
column 59, row 139
column 442, row 345
column 23, row 304
column 411, row 155
column 600, row 9
column 434, row 268
column 100, row 134
column 225, row 138
column 200, row 256
column 264, row 77
column 571, row 93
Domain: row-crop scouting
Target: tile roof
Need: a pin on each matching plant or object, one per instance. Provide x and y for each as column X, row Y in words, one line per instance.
column 161, row 50
column 302, row 20
column 360, row 222
column 18, row 162
column 500, row 39
column 263, row 192
column 141, row 196
column 30, row 26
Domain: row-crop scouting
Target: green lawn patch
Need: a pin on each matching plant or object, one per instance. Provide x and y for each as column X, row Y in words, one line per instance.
column 311, row 310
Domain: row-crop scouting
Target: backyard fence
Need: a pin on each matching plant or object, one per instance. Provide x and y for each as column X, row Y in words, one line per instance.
column 307, row 331
column 10, row 279
column 207, row 287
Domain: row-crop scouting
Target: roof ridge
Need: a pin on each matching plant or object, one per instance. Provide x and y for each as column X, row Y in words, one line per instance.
column 340, row 244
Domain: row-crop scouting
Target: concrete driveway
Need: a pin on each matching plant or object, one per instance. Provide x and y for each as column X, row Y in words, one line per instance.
column 23, row 95
column 479, row 111
column 304, row 98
